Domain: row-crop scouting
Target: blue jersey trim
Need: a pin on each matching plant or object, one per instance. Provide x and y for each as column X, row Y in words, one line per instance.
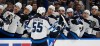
column 64, row 36
column 6, row 33
column 74, row 35
column 39, row 41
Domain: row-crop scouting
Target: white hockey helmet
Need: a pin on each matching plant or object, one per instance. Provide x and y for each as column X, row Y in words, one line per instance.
column 87, row 11
column 18, row 4
column 41, row 10
column 29, row 7
column 95, row 7
column 61, row 8
column 52, row 7
column 70, row 10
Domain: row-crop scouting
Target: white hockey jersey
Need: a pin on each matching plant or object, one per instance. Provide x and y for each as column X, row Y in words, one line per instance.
column 39, row 28
column 96, row 22
column 12, row 27
column 86, row 27
column 52, row 19
column 74, row 28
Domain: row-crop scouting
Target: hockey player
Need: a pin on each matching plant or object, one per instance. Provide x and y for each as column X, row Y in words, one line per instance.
column 10, row 23
column 26, row 12
column 49, row 14
column 17, row 12
column 94, row 10
column 62, row 26
column 96, row 20
column 39, row 28
column 25, row 17
column 52, row 19
column 17, row 9
column 12, row 20
column 74, row 25
column 88, row 25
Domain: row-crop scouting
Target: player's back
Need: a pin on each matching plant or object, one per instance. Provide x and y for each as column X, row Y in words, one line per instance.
column 40, row 27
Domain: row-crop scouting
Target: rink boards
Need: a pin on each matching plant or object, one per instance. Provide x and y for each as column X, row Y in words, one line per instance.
column 58, row 42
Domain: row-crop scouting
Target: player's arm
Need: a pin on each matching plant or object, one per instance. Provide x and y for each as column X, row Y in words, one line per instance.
column 50, row 28
column 29, row 28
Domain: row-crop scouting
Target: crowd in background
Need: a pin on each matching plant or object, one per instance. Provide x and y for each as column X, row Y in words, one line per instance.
column 84, row 4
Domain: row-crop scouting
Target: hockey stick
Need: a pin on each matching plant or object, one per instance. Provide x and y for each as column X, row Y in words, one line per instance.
column 56, row 38
column 60, row 30
column 64, row 21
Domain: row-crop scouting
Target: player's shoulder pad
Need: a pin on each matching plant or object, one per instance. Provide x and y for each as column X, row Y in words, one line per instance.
column 74, row 22
column 52, row 16
column 87, row 21
column 40, row 16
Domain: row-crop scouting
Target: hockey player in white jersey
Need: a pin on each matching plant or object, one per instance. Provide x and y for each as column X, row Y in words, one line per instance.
column 17, row 9
column 39, row 28
column 52, row 19
column 62, row 24
column 88, row 25
column 96, row 19
column 10, row 23
column 13, row 20
column 74, row 25
column 25, row 17
column 49, row 14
